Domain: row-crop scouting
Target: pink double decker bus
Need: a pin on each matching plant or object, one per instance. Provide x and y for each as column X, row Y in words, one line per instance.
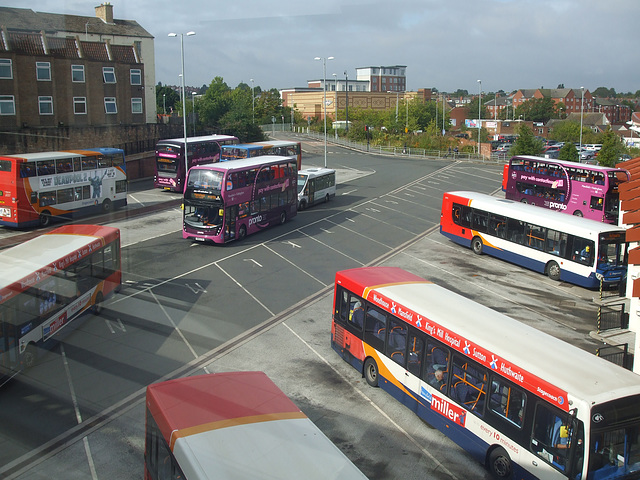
column 229, row 200
column 589, row 191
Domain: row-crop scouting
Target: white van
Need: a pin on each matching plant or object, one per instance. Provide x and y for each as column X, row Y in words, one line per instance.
column 315, row 185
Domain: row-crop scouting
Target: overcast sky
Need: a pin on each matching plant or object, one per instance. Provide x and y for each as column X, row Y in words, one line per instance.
column 446, row 44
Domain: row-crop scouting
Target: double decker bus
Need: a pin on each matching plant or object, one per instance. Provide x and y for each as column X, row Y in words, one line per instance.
column 37, row 187
column 523, row 403
column 577, row 250
column 171, row 165
column 230, row 200
column 579, row 189
column 315, row 185
column 282, row 148
column 49, row 281
column 235, row 425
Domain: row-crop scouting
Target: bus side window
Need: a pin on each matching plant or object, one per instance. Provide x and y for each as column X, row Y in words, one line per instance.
column 437, row 361
column 469, row 385
column 397, row 342
column 342, row 305
column 375, row 327
column 415, row 355
column 507, row 401
column 551, row 437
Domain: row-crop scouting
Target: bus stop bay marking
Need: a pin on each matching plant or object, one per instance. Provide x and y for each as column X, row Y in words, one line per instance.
column 252, row 260
column 110, row 324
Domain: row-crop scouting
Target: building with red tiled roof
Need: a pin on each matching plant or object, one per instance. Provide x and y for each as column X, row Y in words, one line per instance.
column 74, row 71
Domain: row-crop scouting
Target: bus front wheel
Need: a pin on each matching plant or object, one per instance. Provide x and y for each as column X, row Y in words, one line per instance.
column 371, row 372
column 29, row 357
column 45, row 218
column 106, row 206
column 283, row 217
column 500, row 463
column 97, row 306
column 578, row 213
column 553, row 271
column 476, row 245
column 242, row 232
column 302, row 205
column 524, row 200
column 326, row 198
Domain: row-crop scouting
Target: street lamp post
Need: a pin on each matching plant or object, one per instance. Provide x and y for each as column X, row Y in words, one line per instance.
column 253, row 103
column 335, row 102
column 324, row 88
column 346, row 102
column 184, row 107
column 164, row 103
column 581, row 115
column 479, row 105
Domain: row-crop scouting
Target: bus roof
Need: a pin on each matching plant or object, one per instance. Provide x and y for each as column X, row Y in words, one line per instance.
column 203, row 138
column 316, row 171
column 44, row 155
column 566, row 163
column 245, row 146
column 512, row 348
column 44, row 255
column 244, row 163
column 277, row 143
column 241, row 425
column 562, row 222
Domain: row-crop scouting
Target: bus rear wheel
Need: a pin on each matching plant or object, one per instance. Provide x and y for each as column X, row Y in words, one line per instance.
column 326, row 198
column 553, row 271
column 302, row 205
column 477, row 246
column 106, row 206
column 283, row 217
column 371, row 372
column 500, row 463
column 45, row 218
column 30, row 356
column 97, row 306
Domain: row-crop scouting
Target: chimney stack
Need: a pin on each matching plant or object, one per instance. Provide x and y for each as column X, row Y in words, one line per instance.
column 105, row 12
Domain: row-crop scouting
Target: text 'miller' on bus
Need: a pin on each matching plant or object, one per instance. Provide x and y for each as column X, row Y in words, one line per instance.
column 229, row 200
column 579, row 189
column 36, row 187
column 171, row 168
column 235, row 425
column 69, row 271
column 282, row 148
column 315, row 185
column 523, row 403
column 573, row 249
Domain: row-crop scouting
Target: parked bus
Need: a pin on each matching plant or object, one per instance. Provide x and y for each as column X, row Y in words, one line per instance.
column 229, row 200
column 171, row 167
column 250, row 150
column 48, row 282
column 573, row 249
column 523, row 403
column 315, row 185
column 36, row 187
column 235, row 425
column 579, row 189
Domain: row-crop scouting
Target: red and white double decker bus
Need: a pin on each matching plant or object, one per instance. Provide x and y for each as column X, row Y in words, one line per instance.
column 579, row 189
column 36, row 187
column 48, row 282
column 235, row 425
column 230, row 200
column 523, row 403
column 173, row 161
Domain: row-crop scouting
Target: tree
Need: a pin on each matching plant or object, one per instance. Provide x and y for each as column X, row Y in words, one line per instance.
column 611, row 150
column 604, row 92
column 569, row 152
column 166, row 96
column 538, row 110
column 526, row 143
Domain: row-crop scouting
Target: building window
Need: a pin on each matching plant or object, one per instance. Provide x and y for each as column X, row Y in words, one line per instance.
column 45, row 105
column 77, row 73
column 136, row 105
column 6, row 69
column 80, row 105
column 110, row 105
column 136, row 76
column 7, row 105
column 109, row 74
column 43, row 71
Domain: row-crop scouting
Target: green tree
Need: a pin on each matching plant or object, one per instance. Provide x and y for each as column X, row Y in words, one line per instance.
column 526, row 143
column 611, row 150
column 166, row 96
column 604, row 92
column 569, row 152
column 538, row 110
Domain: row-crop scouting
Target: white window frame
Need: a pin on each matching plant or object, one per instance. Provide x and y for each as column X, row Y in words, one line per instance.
column 7, row 101
column 4, row 64
column 45, row 101
column 136, row 105
column 43, row 71
column 79, row 101
column 77, row 69
column 109, row 73
column 110, row 101
column 135, row 76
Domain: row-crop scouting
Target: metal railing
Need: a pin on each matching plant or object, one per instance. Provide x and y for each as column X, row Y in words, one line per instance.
column 612, row 317
column 618, row 354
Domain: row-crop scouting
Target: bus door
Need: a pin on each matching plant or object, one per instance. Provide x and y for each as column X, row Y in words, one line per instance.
column 8, row 348
column 231, row 217
column 311, row 186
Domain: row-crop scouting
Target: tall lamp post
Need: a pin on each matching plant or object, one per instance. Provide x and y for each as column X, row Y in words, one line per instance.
column 253, row 103
column 184, row 106
column 193, row 111
column 346, row 102
column 479, row 105
column 335, row 102
column 164, row 103
column 324, row 101
column 581, row 115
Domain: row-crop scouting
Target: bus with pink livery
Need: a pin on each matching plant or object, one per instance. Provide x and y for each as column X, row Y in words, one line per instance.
column 589, row 191
column 229, row 200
